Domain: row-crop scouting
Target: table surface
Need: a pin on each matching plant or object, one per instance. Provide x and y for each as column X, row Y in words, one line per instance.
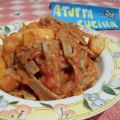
column 17, row 10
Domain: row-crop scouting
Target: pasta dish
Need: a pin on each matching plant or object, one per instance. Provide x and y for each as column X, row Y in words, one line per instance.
column 49, row 60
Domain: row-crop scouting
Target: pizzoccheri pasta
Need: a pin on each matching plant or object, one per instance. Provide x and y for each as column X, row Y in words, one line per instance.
column 49, row 60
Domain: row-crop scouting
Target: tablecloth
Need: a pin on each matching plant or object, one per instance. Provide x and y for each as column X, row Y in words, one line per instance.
column 17, row 10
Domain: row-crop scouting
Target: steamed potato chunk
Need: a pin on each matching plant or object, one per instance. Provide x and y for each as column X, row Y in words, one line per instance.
column 97, row 44
column 12, row 41
column 7, row 82
column 35, row 36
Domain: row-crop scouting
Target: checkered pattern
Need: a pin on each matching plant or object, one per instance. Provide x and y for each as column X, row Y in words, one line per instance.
column 12, row 10
column 17, row 10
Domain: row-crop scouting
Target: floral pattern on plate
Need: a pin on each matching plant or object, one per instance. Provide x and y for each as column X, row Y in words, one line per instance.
column 22, row 111
column 93, row 101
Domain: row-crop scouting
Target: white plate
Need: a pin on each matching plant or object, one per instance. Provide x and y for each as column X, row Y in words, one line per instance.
column 100, row 97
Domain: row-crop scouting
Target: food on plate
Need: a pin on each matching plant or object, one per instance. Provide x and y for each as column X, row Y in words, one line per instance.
column 49, row 60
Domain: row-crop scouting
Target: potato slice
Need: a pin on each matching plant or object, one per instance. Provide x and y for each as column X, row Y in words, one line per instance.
column 97, row 44
column 35, row 36
column 12, row 42
column 8, row 82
